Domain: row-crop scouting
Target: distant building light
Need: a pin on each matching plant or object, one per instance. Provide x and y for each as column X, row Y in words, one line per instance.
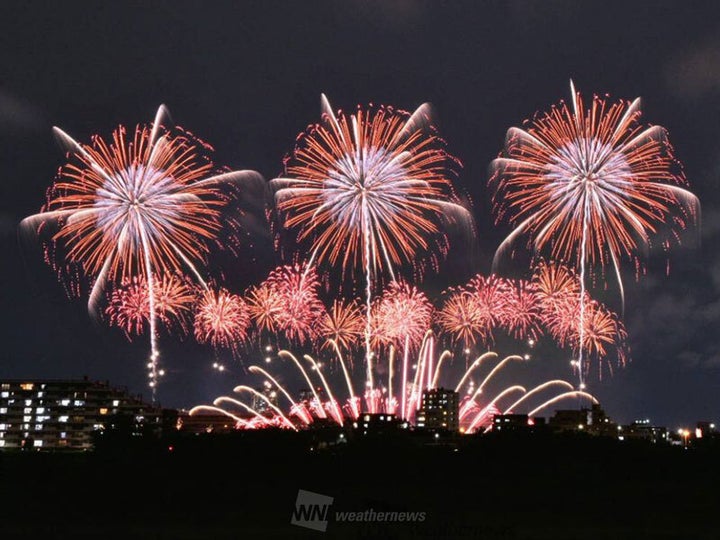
column 27, row 386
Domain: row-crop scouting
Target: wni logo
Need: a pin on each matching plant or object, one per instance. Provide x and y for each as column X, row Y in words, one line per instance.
column 312, row 510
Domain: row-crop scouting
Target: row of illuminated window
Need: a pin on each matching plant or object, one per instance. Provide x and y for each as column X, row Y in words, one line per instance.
column 64, row 402
column 63, row 434
column 61, row 402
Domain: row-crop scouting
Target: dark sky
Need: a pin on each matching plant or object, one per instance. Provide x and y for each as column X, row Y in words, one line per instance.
column 247, row 77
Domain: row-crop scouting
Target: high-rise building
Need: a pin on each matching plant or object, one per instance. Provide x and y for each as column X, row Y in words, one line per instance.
column 67, row 414
column 438, row 410
column 262, row 404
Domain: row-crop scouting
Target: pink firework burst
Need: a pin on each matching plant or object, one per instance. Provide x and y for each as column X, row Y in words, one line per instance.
column 265, row 305
column 129, row 304
column 462, row 318
column 401, row 316
column 523, row 311
column 491, row 295
column 222, row 319
column 297, row 292
column 344, row 323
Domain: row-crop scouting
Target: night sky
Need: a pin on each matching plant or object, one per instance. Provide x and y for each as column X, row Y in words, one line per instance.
column 247, row 78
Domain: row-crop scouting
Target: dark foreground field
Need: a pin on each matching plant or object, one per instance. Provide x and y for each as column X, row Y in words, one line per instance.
column 245, row 486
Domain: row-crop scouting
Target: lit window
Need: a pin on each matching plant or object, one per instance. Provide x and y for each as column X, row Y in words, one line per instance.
column 116, row 402
column 27, row 410
column 3, row 426
column 2, row 443
column 26, row 418
column 28, row 402
column 27, row 386
column 3, row 410
column 37, row 444
column 63, row 419
column 79, row 403
column 65, row 402
column 40, row 394
column 4, row 394
column 40, row 410
column 103, row 410
column 63, row 434
column 5, row 386
column 38, row 427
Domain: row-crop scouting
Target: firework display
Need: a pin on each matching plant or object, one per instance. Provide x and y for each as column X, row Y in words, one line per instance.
column 591, row 186
column 221, row 319
column 370, row 189
column 325, row 400
column 369, row 195
column 129, row 304
column 140, row 205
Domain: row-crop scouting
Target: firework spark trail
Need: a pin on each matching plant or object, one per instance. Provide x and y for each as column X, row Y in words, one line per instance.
column 493, row 402
column 354, row 401
column 263, row 397
column 592, row 186
column 566, row 395
column 476, row 364
column 474, row 414
column 494, row 371
column 136, row 206
column 288, row 354
column 306, row 418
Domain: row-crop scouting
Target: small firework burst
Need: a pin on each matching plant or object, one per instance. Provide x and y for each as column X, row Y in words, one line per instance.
column 222, row 319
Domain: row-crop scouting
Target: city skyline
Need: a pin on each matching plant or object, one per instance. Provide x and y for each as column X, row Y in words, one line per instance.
column 252, row 104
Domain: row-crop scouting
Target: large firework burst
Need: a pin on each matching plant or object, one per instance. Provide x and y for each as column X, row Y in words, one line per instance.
column 591, row 186
column 139, row 205
column 370, row 189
